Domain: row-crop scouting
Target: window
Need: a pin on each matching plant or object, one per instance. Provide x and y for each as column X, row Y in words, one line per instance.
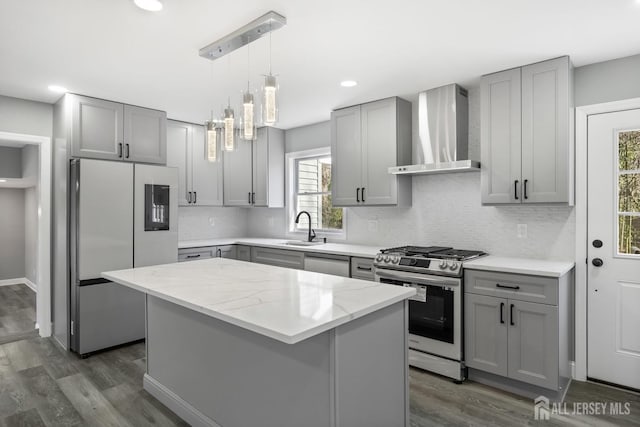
column 310, row 190
column 629, row 192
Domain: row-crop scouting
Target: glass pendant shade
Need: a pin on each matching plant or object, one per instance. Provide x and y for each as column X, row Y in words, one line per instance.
column 270, row 101
column 248, row 119
column 212, row 142
column 229, row 124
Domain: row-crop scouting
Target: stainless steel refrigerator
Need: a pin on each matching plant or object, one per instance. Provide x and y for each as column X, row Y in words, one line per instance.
column 121, row 216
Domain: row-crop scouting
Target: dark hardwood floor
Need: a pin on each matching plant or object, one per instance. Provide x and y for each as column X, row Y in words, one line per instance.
column 43, row 385
column 17, row 310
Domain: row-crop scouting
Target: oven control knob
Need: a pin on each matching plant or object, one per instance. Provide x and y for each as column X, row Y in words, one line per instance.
column 453, row 266
column 386, row 258
column 378, row 258
column 395, row 260
column 443, row 264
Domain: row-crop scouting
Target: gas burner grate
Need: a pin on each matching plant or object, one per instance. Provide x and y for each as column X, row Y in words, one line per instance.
column 415, row 250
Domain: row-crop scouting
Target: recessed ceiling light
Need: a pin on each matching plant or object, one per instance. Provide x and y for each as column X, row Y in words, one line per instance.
column 150, row 5
column 58, row 89
column 3, row 180
column 348, row 83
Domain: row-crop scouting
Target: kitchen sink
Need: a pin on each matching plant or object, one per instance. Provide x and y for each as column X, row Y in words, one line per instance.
column 303, row 243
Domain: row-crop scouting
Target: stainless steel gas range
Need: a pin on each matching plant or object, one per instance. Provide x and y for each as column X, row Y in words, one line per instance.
column 435, row 312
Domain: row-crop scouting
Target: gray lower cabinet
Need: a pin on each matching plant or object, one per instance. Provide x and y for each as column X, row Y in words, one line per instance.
column 192, row 254
column 362, row 268
column 243, row 253
column 511, row 337
column 278, row 257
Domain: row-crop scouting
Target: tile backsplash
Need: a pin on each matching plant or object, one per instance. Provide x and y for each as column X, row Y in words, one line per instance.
column 200, row 222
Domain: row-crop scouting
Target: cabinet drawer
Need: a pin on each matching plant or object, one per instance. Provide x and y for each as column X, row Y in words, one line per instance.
column 243, row 253
column 192, row 254
column 362, row 268
column 278, row 257
column 514, row 286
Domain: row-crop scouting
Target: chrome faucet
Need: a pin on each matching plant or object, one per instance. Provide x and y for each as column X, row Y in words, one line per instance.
column 312, row 234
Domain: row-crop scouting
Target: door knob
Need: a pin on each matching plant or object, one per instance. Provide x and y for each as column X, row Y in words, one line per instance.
column 597, row 243
column 597, row 262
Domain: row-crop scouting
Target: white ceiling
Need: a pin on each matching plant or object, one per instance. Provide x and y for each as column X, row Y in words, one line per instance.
column 113, row 50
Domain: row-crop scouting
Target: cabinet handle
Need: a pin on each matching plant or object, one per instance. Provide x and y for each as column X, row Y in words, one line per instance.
column 193, row 256
column 120, row 149
column 362, row 194
column 511, row 315
column 358, row 195
column 219, row 253
column 253, row 198
column 363, row 268
column 249, row 197
column 189, row 197
column 502, row 312
column 525, row 189
column 195, row 197
column 515, row 189
column 515, row 288
column 126, row 150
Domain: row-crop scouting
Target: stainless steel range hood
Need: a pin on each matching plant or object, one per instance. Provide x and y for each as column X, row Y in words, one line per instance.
column 443, row 129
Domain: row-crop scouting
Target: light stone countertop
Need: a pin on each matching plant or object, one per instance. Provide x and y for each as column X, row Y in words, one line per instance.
column 327, row 248
column 533, row 267
column 285, row 304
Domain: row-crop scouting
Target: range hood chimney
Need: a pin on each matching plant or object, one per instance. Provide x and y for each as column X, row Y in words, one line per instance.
column 443, row 129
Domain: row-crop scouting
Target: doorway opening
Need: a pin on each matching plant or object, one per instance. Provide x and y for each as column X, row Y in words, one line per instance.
column 25, row 227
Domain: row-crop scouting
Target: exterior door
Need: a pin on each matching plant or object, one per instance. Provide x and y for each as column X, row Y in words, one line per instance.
column 613, row 352
column 346, row 156
column 379, row 130
column 486, row 333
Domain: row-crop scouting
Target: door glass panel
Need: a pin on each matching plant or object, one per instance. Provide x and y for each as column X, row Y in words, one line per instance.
column 629, row 192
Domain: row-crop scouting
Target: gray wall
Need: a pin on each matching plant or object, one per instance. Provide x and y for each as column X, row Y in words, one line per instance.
column 22, row 116
column 10, row 162
column 30, row 168
column 607, row 81
column 12, row 233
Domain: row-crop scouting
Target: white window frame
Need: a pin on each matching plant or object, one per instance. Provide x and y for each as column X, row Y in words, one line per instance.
column 290, row 179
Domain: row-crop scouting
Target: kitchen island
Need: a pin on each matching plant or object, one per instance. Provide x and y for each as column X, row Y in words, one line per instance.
column 231, row 343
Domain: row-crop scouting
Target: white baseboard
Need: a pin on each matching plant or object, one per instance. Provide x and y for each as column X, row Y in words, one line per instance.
column 19, row 281
column 174, row 402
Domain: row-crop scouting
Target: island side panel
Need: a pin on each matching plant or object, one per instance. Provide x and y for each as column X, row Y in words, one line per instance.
column 372, row 369
column 236, row 377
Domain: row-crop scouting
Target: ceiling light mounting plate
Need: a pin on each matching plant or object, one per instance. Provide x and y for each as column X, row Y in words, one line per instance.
column 255, row 29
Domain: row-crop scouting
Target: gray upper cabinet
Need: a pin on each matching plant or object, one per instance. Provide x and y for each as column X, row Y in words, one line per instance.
column 527, row 134
column 109, row 130
column 366, row 140
column 254, row 171
column 97, row 128
column 145, row 135
column 200, row 180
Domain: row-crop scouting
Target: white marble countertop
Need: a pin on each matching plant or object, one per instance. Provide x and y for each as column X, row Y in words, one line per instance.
column 533, row 267
column 285, row 304
column 327, row 248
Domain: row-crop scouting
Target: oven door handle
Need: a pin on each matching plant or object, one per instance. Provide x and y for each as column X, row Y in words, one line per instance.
column 416, row 278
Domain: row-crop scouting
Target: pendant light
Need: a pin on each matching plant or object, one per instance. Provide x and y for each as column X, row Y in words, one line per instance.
column 270, row 95
column 248, row 117
column 229, row 128
column 212, row 141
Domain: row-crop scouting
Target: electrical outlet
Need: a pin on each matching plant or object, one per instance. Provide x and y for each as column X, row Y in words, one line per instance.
column 271, row 222
column 372, row 226
column 212, row 221
column 522, row 231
